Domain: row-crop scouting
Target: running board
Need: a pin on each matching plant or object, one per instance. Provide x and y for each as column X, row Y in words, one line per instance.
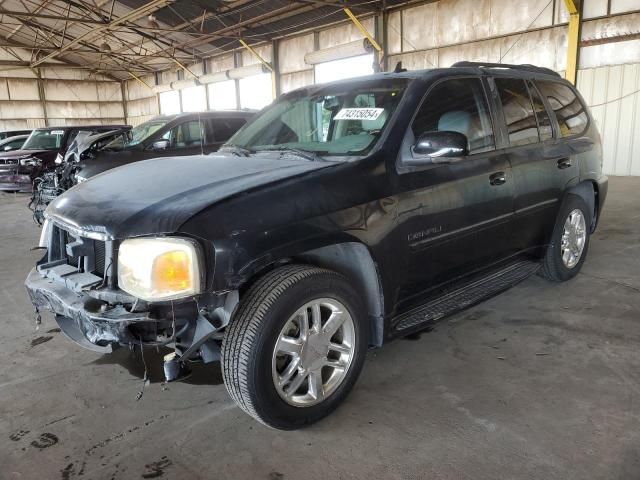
column 466, row 296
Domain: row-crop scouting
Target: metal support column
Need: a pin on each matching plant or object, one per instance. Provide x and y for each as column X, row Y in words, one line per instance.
column 43, row 100
column 573, row 40
column 123, row 92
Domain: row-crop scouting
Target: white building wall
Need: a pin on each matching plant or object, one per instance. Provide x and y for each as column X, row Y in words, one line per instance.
column 612, row 94
column 141, row 101
column 62, row 96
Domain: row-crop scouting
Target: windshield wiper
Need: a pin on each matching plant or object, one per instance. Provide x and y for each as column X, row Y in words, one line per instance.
column 236, row 150
column 306, row 154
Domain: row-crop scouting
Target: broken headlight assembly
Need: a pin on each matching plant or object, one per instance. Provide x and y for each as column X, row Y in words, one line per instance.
column 30, row 162
column 157, row 269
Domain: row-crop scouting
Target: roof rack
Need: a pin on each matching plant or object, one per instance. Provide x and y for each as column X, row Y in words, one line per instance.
column 524, row 67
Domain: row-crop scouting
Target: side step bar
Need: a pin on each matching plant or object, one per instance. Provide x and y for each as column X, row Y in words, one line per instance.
column 465, row 296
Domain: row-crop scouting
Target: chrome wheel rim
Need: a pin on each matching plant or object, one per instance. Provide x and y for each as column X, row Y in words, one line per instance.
column 313, row 352
column 574, row 236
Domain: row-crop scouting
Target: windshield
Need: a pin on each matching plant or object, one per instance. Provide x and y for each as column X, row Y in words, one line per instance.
column 44, row 140
column 330, row 120
column 143, row 131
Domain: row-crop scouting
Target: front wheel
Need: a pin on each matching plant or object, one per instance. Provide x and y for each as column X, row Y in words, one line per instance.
column 568, row 249
column 295, row 346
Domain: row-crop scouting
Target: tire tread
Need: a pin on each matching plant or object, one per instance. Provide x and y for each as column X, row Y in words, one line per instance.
column 244, row 329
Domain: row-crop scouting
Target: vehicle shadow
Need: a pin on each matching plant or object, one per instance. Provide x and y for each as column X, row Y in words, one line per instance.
column 134, row 362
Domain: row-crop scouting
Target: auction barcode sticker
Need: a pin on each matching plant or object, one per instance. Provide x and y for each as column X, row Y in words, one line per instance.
column 359, row 114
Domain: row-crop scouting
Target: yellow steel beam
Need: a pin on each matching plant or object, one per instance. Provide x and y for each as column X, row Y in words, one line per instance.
column 266, row 64
column 184, row 67
column 573, row 41
column 133, row 75
column 362, row 28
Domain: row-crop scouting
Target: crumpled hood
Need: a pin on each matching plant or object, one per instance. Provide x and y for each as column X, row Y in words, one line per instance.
column 159, row 195
column 21, row 154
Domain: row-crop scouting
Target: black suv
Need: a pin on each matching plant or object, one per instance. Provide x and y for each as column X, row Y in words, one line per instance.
column 342, row 216
column 167, row 136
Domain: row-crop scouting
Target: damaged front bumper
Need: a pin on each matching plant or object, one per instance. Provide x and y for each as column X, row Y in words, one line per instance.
column 101, row 326
column 83, row 319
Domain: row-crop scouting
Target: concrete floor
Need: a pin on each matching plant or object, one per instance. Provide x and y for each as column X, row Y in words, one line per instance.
column 540, row 382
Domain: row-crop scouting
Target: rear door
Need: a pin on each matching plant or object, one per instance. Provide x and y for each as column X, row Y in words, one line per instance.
column 539, row 161
column 454, row 218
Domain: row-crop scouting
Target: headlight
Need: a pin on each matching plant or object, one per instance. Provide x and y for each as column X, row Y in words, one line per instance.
column 30, row 162
column 159, row 268
column 58, row 160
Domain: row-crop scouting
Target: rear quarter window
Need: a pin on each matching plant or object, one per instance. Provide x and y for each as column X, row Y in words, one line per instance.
column 569, row 111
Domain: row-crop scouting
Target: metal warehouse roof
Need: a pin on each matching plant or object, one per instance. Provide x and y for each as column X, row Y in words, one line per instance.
column 132, row 37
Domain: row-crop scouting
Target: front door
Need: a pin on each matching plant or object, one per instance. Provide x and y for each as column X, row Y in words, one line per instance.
column 454, row 218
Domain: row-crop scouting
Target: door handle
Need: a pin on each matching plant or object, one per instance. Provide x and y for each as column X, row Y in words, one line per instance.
column 564, row 163
column 498, row 178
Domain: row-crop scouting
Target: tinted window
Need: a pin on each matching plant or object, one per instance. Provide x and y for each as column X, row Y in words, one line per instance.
column 221, row 129
column 14, row 144
column 457, row 105
column 544, row 122
column 518, row 111
column 185, row 135
column 569, row 111
column 45, row 140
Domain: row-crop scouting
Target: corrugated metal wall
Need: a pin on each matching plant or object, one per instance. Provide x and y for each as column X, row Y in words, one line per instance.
column 141, row 101
column 613, row 93
column 61, row 96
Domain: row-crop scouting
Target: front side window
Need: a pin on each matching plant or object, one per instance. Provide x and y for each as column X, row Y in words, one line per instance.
column 457, row 105
column 142, row 132
column 44, row 140
column 518, row 111
column 14, row 144
column 185, row 135
column 569, row 111
column 332, row 120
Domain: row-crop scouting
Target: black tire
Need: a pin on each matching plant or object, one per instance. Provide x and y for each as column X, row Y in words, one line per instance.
column 553, row 268
column 248, row 344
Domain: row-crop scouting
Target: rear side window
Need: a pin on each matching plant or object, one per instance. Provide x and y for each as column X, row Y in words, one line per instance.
column 457, row 105
column 567, row 107
column 222, row 129
column 518, row 111
column 544, row 121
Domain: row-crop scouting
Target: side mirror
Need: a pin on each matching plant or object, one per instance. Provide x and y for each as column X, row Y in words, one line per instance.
column 160, row 145
column 439, row 147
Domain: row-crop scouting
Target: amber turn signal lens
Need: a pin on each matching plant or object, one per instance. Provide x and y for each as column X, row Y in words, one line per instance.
column 172, row 271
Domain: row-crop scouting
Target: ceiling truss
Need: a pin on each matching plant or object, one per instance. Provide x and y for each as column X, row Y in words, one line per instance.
column 130, row 38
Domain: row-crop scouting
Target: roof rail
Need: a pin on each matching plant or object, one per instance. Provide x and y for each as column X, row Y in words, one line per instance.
column 524, row 67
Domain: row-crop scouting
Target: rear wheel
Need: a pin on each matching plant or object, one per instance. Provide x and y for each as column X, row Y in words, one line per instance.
column 570, row 242
column 295, row 346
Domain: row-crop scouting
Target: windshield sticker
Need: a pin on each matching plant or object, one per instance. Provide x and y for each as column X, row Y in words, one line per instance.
column 57, row 132
column 359, row 114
